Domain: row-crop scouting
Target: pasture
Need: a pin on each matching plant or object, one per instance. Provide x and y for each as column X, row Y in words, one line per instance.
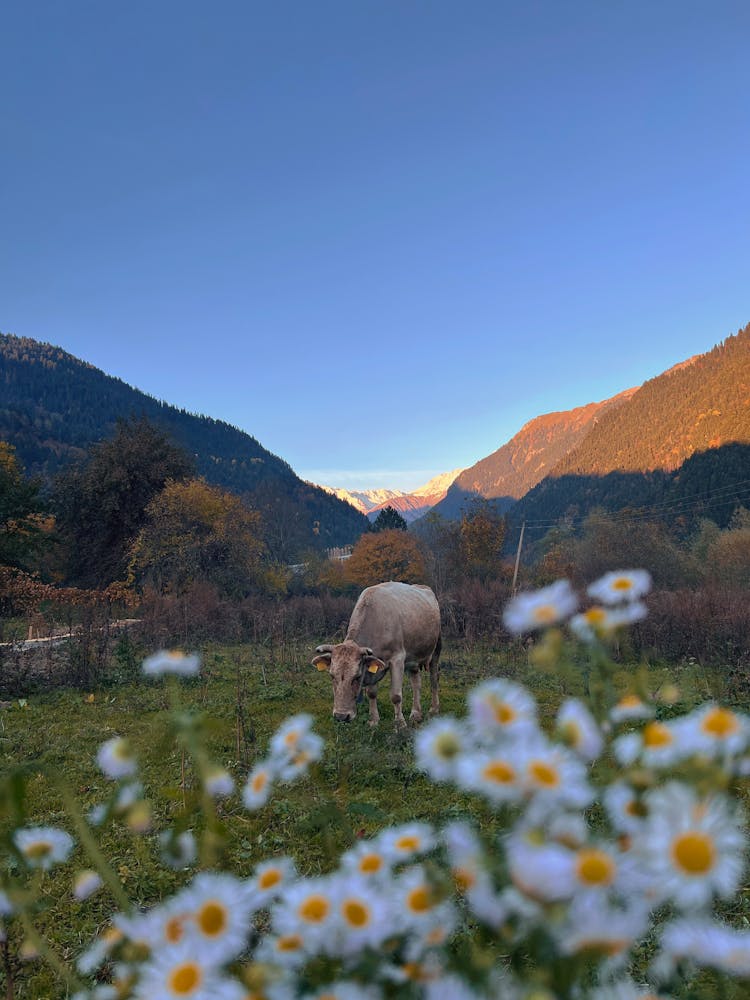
column 366, row 780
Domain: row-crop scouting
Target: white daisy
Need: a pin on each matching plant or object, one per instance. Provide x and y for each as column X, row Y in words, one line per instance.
column 307, row 908
column 180, row 972
column 367, row 858
column 270, row 880
column 578, row 729
column 307, row 751
column 86, row 883
column 172, row 662
column 594, row 926
column 6, row 907
column 630, row 708
column 501, row 708
column 219, row 909
column 362, row 918
column 620, row 585
column 496, row 775
column 259, row 784
column 716, row 731
column 290, row 734
column 402, row 843
column 43, row 846
column 99, row 951
column 115, row 758
column 625, row 989
column 658, row 744
column 416, row 904
column 452, row 988
column 219, row 782
column 541, row 608
column 690, row 849
column 288, row 951
column 625, row 810
column 553, row 778
column 542, row 871
column 704, row 942
column 438, row 748
column 599, row 622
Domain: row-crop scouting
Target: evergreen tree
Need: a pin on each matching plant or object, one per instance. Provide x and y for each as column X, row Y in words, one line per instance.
column 389, row 519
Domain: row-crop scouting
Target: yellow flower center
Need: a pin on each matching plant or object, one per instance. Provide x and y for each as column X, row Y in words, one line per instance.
column 622, row 583
column 595, row 867
column 720, row 723
column 545, row 614
column 499, row 771
column 259, row 782
column 464, row 878
column 656, row 735
column 185, row 979
column 314, row 909
column 269, row 878
column 694, row 852
column 595, row 616
column 355, row 913
column 291, row 738
column 504, row 713
column 630, row 701
column 420, row 900
column 544, row 774
column 408, row 843
column 212, row 918
column 289, row 942
column 370, row 863
column 38, row 850
column 446, row 745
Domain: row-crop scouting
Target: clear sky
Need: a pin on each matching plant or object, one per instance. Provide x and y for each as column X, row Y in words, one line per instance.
column 379, row 235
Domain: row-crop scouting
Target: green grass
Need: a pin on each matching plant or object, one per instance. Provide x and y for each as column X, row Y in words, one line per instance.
column 367, row 779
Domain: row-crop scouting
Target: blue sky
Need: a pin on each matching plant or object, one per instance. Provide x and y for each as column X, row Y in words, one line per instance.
column 378, row 236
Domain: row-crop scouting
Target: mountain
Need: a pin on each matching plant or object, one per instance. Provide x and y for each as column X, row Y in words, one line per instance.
column 364, row 500
column 681, row 442
column 409, row 505
column 510, row 472
column 54, row 406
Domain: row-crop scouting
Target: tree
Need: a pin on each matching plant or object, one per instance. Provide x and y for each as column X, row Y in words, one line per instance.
column 441, row 543
column 101, row 505
column 21, row 526
column 389, row 519
column 385, row 555
column 196, row 532
column 482, row 534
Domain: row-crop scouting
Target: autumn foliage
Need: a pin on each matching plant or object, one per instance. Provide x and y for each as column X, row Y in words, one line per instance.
column 385, row 555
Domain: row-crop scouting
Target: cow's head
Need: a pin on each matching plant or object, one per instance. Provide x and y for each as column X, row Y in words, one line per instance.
column 351, row 667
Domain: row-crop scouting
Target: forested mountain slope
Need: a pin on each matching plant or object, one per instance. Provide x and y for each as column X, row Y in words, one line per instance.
column 53, row 406
column 511, row 471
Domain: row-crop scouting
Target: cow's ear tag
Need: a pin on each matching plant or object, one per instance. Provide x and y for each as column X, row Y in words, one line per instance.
column 373, row 668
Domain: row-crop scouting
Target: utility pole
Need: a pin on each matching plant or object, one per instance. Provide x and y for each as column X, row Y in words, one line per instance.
column 518, row 557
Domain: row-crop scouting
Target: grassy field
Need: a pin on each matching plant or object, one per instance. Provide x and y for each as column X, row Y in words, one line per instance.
column 366, row 780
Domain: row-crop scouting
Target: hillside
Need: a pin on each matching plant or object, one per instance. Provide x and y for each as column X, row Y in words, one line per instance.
column 53, row 406
column 531, row 454
column 681, row 443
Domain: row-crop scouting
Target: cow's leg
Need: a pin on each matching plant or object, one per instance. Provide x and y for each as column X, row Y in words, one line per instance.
column 397, row 685
column 416, row 695
column 435, row 679
column 372, row 695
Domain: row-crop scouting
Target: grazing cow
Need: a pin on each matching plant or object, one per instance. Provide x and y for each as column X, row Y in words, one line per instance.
column 396, row 627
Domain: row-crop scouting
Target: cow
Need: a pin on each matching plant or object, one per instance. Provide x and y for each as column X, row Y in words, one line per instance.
column 396, row 627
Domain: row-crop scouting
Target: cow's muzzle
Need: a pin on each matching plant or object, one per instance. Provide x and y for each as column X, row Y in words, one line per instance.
column 343, row 716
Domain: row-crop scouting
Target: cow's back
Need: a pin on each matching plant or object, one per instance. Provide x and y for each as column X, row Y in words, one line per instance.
column 391, row 617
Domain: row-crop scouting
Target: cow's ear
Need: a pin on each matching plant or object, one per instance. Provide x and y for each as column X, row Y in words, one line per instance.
column 374, row 669
column 322, row 662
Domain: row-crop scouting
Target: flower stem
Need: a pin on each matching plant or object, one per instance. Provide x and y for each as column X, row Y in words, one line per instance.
column 50, row 957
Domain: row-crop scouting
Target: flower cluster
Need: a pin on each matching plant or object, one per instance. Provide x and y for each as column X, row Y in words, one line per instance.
column 605, row 843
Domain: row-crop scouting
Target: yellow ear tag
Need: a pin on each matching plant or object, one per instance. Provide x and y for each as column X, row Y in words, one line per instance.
column 373, row 668
column 321, row 665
